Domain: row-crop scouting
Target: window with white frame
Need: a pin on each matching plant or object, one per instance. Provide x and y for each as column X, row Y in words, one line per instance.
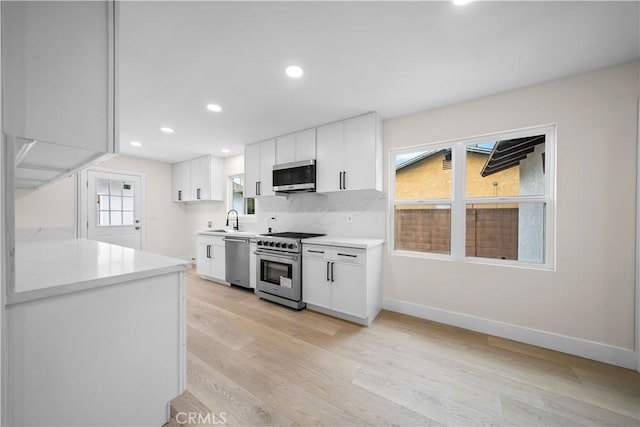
column 488, row 198
column 237, row 201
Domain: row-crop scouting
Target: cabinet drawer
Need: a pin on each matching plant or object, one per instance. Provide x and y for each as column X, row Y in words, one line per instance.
column 356, row 256
column 210, row 240
column 316, row 251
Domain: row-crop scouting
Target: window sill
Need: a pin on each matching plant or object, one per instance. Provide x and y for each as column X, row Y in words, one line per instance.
column 473, row 260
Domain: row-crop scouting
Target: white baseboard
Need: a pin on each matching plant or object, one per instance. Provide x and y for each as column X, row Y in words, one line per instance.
column 588, row 349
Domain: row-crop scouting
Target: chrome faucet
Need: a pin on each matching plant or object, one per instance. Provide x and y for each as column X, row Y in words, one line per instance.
column 237, row 226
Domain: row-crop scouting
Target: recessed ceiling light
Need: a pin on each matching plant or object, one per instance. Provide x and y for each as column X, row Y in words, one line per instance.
column 166, row 130
column 214, row 108
column 461, row 2
column 225, row 150
column 294, row 71
column 136, row 143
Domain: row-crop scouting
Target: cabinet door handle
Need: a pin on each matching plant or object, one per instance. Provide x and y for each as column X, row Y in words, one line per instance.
column 349, row 255
column 198, row 194
column 315, row 252
column 344, row 180
column 328, row 263
column 208, row 251
column 340, row 180
column 332, row 271
column 179, row 194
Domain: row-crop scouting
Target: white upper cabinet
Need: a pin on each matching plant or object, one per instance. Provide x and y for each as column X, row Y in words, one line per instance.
column 259, row 159
column 349, row 155
column 200, row 179
column 296, row 147
column 181, row 181
column 251, row 169
column 329, row 161
column 58, row 79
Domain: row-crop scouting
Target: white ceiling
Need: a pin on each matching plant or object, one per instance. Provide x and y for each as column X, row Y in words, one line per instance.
column 391, row 57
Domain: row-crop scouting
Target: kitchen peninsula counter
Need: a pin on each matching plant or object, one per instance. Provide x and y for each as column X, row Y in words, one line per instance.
column 46, row 268
column 96, row 332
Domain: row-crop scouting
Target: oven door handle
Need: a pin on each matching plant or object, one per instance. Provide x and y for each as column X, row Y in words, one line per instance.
column 274, row 256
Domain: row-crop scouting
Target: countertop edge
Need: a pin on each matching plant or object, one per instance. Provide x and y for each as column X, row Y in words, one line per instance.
column 101, row 282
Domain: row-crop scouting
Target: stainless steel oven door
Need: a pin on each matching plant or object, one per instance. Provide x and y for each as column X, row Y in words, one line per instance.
column 279, row 274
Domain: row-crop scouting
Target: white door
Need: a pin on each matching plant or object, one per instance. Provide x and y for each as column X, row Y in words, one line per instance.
column 114, row 208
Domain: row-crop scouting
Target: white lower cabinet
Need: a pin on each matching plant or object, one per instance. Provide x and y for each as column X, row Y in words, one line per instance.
column 210, row 257
column 341, row 281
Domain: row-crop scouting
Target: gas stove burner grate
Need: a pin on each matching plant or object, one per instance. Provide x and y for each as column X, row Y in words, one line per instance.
column 293, row 235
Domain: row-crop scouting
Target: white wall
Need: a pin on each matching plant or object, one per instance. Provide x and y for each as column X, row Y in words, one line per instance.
column 51, row 206
column 590, row 296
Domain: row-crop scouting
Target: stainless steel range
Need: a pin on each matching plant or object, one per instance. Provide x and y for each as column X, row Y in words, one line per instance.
column 279, row 263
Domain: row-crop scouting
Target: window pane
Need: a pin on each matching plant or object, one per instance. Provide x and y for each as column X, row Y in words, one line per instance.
column 512, row 231
column 423, row 175
column 127, row 218
column 103, row 218
column 116, row 187
column 116, row 218
column 102, row 186
column 506, row 168
column 127, row 203
column 116, row 203
column 423, row 228
column 251, row 206
column 103, row 203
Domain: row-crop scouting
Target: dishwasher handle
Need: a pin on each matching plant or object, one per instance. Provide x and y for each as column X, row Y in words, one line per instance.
column 237, row 239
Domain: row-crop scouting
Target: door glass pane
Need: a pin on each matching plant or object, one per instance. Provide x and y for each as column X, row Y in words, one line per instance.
column 127, row 218
column 127, row 203
column 512, row 231
column 423, row 228
column 103, row 219
column 103, row 203
column 102, row 186
column 507, row 168
column 423, row 175
column 116, row 218
column 116, row 203
column 115, row 187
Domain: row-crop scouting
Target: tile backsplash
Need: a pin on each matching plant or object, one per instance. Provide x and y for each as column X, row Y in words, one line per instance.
column 324, row 213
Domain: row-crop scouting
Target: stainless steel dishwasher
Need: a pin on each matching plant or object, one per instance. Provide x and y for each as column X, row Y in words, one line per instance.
column 237, row 251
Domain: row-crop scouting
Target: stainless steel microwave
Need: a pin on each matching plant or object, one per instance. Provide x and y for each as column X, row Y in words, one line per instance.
column 295, row 177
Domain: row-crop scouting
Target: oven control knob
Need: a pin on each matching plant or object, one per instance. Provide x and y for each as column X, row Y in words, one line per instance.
column 277, row 244
column 259, row 243
column 271, row 243
column 291, row 246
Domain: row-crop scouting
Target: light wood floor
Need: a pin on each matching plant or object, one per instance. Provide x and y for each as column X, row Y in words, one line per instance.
column 263, row 364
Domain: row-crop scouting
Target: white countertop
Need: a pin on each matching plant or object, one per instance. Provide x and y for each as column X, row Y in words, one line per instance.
column 348, row 242
column 54, row 267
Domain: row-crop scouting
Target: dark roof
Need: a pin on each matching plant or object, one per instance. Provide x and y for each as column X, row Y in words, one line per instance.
column 445, row 151
column 508, row 153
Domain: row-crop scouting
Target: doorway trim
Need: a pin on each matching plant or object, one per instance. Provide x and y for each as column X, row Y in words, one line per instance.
column 82, row 197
